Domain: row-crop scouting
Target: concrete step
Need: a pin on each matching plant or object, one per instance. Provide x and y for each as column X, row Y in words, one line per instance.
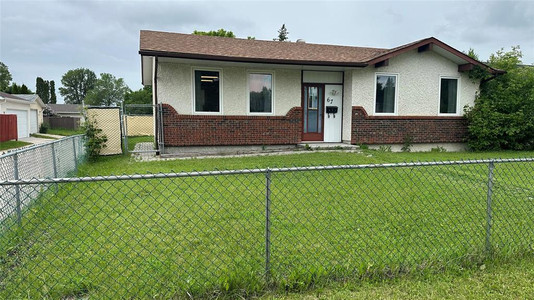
column 327, row 146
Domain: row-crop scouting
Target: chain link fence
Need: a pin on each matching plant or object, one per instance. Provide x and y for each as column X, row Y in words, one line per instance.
column 138, row 121
column 55, row 159
column 212, row 233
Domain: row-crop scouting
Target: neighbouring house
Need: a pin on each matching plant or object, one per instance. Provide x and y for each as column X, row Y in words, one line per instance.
column 27, row 107
column 66, row 110
column 214, row 91
column 65, row 116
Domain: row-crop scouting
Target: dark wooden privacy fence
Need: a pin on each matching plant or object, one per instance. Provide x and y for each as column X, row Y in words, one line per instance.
column 8, row 127
column 63, row 122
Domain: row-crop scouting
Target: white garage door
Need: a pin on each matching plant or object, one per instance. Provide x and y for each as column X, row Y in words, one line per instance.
column 22, row 121
column 33, row 121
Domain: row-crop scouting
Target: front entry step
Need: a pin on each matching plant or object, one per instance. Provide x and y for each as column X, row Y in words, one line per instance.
column 327, row 146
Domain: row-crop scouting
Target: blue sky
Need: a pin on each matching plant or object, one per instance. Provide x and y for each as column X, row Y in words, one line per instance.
column 48, row 38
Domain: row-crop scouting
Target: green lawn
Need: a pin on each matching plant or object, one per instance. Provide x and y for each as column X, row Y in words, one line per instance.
column 513, row 279
column 204, row 236
column 42, row 136
column 12, row 144
column 64, row 132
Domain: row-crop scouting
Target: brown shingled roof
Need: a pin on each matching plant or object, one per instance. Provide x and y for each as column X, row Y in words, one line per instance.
column 167, row 44
column 232, row 49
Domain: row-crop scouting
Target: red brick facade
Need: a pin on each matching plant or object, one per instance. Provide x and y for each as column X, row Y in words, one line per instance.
column 210, row 130
column 394, row 129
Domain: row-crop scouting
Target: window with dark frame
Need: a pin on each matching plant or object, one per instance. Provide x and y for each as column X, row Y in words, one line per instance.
column 207, row 91
column 448, row 98
column 385, row 93
column 260, row 93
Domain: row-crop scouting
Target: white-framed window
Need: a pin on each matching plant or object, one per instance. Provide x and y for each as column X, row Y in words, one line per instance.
column 386, row 86
column 448, row 95
column 260, row 92
column 207, row 91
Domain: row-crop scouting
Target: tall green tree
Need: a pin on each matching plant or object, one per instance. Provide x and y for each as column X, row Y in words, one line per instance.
column 503, row 114
column 42, row 89
column 76, row 84
column 53, row 98
column 221, row 32
column 283, row 34
column 107, row 91
column 5, row 77
column 141, row 96
column 18, row 89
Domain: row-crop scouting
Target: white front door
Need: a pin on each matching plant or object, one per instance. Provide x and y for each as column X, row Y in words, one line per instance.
column 22, row 121
column 33, row 121
column 333, row 94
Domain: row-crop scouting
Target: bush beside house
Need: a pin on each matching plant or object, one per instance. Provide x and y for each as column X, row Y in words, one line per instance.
column 503, row 114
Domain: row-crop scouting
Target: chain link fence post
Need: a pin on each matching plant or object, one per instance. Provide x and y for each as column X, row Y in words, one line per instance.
column 491, row 167
column 54, row 165
column 75, row 156
column 17, row 189
column 267, row 225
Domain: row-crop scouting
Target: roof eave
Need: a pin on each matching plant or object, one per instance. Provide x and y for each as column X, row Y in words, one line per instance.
column 433, row 40
column 250, row 59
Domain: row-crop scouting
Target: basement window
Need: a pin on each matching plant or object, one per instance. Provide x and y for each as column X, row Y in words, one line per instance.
column 386, row 93
column 448, row 98
column 207, row 91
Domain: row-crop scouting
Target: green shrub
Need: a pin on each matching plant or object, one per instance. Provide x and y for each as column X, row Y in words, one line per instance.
column 95, row 141
column 43, row 128
column 503, row 115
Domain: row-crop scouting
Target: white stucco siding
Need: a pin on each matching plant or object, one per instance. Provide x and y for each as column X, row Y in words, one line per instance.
column 418, row 83
column 347, row 107
column 175, row 86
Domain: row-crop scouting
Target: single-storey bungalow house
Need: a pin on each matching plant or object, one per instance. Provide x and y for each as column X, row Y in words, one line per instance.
column 214, row 91
column 27, row 107
column 66, row 110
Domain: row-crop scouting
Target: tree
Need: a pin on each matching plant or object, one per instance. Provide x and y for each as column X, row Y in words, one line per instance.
column 282, row 34
column 141, row 96
column 18, row 89
column 503, row 115
column 53, row 98
column 471, row 53
column 221, row 32
column 42, row 89
column 5, row 77
column 76, row 83
column 107, row 91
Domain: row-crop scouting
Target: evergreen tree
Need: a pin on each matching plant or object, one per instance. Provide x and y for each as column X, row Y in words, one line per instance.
column 42, row 89
column 282, row 34
column 53, row 98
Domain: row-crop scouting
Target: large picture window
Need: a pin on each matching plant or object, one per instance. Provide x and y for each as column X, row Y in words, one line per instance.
column 207, row 91
column 260, row 93
column 386, row 88
column 448, row 97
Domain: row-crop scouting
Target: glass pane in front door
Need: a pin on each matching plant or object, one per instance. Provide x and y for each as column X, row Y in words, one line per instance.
column 313, row 112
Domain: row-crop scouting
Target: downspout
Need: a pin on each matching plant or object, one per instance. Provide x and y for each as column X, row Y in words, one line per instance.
column 155, row 93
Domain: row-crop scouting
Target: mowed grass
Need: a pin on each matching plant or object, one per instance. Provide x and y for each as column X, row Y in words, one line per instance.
column 12, row 144
column 205, row 236
column 64, row 131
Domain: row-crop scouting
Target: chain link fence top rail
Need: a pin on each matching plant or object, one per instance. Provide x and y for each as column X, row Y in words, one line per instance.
column 205, row 233
column 55, row 159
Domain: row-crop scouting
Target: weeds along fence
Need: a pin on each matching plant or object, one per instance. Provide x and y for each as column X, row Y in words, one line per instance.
column 56, row 159
column 209, row 233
